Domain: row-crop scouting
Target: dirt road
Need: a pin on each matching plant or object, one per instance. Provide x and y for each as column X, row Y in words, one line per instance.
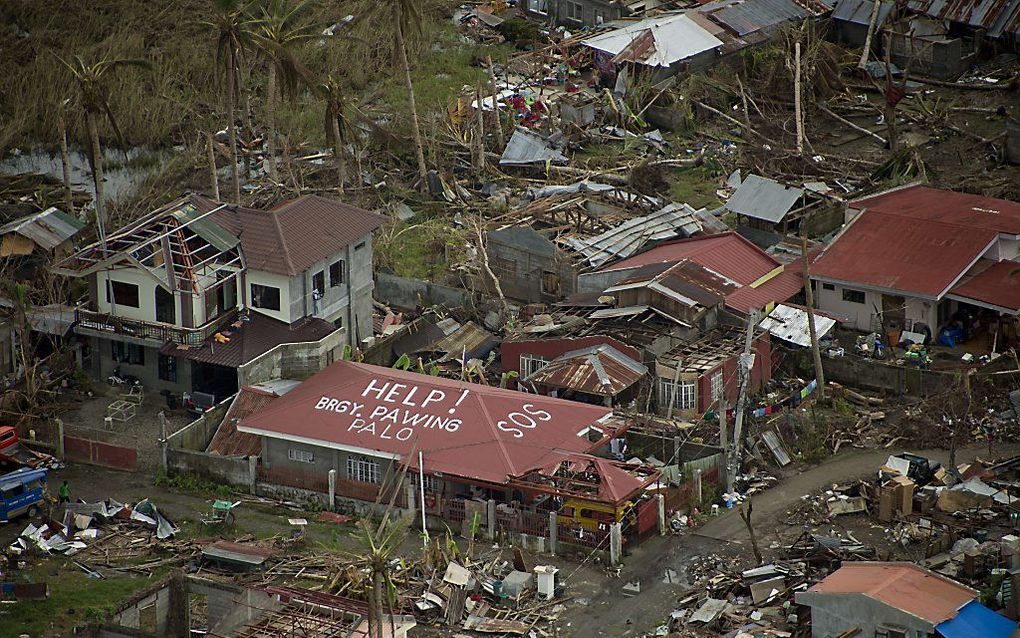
column 617, row 615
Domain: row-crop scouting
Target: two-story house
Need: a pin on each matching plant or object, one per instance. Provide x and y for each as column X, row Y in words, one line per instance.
column 187, row 296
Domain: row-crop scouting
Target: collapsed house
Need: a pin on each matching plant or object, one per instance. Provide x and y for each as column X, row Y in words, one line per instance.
column 184, row 298
column 931, row 262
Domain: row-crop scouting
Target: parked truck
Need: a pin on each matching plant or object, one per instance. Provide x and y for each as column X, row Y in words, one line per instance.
column 14, row 455
column 22, row 492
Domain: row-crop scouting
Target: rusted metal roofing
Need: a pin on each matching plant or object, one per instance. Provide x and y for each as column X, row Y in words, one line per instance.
column 228, row 441
column 776, row 289
column 469, row 340
column 728, row 254
column 592, row 478
column 859, row 11
column 999, row 17
column 686, row 282
column 461, row 429
column 950, row 207
column 47, row 229
column 991, row 284
column 658, row 41
column 250, row 338
column 790, row 323
column 902, row 254
column 295, row 235
column 904, row 586
column 601, row 370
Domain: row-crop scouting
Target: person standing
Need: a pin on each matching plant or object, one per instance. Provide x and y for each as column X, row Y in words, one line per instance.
column 64, row 492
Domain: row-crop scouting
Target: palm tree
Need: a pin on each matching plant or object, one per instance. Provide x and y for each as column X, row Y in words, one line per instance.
column 91, row 80
column 407, row 21
column 232, row 24
column 337, row 124
column 277, row 31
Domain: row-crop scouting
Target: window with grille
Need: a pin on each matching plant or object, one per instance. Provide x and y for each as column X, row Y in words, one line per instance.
column 575, row 10
column 716, row 385
column 167, row 368
column 431, row 484
column 301, row 456
column 503, row 268
column 361, row 469
column 682, row 395
column 853, row 296
column 531, row 364
column 336, row 273
column 131, row 353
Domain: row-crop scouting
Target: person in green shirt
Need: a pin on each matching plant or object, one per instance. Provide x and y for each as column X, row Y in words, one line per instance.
column 64, row 492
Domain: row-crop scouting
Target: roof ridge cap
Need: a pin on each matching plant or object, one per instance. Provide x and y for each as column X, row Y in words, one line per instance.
column 283, row 245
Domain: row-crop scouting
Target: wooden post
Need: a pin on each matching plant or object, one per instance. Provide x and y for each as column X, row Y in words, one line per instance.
column 500, row 137
column 798, row 110
column 211, row 155
column 480, row 126
column 867, row 39
column 809, row 295
column 746, row 362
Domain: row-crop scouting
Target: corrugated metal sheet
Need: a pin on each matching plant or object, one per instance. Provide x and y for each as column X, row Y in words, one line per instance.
column 999, row 17
column 748, row 16
column 470, row 339
column 527, row 148
column 859, row 11
column 991, row 283
column 790, row 323
column 228, row 441
column 632, row 235
column 726, row 253
column 763, row 198
column 601, row 370
column 951, row 207
column 903, row 586
column 671, row 38
column 898, row 253
column 47, row 229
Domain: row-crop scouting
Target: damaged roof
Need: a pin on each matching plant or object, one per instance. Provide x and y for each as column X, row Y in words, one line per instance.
column 46, row 229
column 227, row 441
column 859, row 11
column 592, row 478
column 601, row 370
column 999, row 17
column 790, row 323
column 658, row 42
column 634, row 234
column 685, row 282
column 763, row 198
column 744, row 17
column 527, row 148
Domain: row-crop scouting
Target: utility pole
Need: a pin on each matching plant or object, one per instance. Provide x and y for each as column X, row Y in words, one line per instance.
column 810, row 298
column 798, row 113
column 746, row 363
column 724, row 437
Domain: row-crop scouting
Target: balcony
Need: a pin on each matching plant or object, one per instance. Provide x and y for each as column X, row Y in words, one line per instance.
column 162, row 332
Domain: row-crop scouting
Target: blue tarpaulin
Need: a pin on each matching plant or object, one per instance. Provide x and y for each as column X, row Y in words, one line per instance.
column 977, row 621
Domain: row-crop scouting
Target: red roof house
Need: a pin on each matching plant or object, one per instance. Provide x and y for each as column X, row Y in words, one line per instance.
column 915, row 254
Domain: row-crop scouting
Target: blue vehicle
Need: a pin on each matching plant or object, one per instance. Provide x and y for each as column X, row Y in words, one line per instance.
column 22, row 492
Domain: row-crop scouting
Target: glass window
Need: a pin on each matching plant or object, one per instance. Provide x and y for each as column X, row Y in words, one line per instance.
column 319, row 282
column 540, row 6
column 828, row 286
column 336, row 273
column 853, row 296
column 531, row 364
column 128, row 353
column 575, row 10
column 717, row 385
column 301, row 456
column 124, row 294
column 167, row 368
column 267, row 297
column 362, row 469
column 682, row 395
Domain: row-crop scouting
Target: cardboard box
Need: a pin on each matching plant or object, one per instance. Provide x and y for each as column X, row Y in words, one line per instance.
column 904, row 494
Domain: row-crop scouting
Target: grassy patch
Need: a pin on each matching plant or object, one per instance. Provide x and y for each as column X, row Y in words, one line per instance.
column 696, row 186
column 419, row 249
column 73, row 599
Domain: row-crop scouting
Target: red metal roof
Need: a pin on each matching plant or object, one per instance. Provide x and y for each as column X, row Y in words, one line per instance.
column 463, row 429
column 601, row 370
column 950, row 207
column 227, row 440
column 904, row 586
column 898, row 253
column 992, row 283
column 778, row 289
column 728, row 254
column 616, row 481
column 295, row 235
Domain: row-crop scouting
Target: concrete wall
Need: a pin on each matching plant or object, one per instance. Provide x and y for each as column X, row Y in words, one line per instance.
column 832, row 614
column 408, row 294
column 860, row 315
column 590, row 10
column 197, row 434
column 221, row 469
column 532, row 254
column 275, row 454
column 148, row 373
column 599, row 281
column 935, row 56
column 293, row 360
column 875, row 375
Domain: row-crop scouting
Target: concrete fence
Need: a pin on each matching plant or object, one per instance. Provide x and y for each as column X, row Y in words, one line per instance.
column 401, row 292
column 293, row 360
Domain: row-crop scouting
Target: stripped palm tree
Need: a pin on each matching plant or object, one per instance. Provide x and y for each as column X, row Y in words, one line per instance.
column 93, row 98
column 278, row 29
column 339, row 129
column 232, row 24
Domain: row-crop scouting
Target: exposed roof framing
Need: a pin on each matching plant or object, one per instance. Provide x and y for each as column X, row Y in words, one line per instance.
column 707, row 352
column 201, row 254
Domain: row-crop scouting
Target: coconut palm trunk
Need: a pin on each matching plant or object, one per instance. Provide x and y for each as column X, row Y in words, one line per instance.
column 339, row 152
column 270, row 160
column 97, row 175
column 65, row 165
column 231, row 128
column 419, row 148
